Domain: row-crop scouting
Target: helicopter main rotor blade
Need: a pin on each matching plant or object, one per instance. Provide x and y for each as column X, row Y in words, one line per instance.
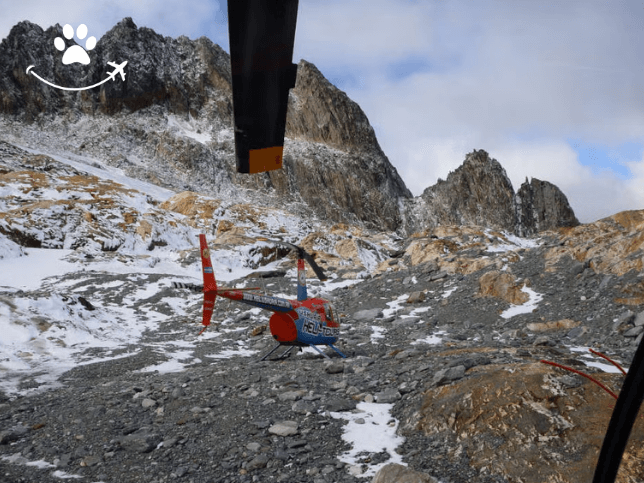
column 301, row 253
column 189, row 286
column 316, row 268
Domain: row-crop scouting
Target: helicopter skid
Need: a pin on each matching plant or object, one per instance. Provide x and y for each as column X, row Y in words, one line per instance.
column 282, row 356
column 286, row 353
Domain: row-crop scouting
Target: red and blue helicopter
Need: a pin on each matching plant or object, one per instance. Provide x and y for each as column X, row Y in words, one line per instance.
column 305, row 322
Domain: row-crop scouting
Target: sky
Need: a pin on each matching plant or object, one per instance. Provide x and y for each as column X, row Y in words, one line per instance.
column 551, row 90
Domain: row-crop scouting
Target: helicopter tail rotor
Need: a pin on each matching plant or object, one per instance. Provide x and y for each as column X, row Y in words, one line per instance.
column 303, row 255
column 316, row 268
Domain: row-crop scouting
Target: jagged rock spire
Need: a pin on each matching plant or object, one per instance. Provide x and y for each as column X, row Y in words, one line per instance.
column 480, row 192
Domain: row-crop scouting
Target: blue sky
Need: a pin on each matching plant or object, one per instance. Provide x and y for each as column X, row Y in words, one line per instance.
column 552, row 90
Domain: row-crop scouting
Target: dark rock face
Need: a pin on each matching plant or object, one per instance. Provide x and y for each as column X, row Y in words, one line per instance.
column 320, row 112
column 362, row 180
column 541, row 206
column 332, row 160
column 479, row 192
column 178, row 74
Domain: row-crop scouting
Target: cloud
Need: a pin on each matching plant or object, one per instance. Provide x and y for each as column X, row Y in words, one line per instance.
column 361, row 33
column 192, row 18
column 592, row 195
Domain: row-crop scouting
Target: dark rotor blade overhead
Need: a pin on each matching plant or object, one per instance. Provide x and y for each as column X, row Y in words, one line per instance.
column 622, row 420
column 262, row 34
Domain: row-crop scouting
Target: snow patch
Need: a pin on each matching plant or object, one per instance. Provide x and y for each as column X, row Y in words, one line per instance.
column 9, row 249
column 28, row 272
column 395, row 305
column 515, row 242
column 433, row 339
column 18, row 459
column 419, row 310
column 449, row 292
column 188, row 128
column 525, row 308
column 228, row 353
column 177, row 363
column 370, row 429
column 606, row 367
column 378, row 333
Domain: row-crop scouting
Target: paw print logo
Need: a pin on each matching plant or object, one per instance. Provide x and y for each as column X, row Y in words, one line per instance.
column 75, row 53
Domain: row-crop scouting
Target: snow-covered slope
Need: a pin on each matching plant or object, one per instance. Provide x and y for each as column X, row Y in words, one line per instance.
column 88, row 255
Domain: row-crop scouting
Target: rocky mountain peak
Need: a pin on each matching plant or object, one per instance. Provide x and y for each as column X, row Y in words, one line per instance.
column 478, row 168
column 170, row 121
column 480, row 159
column 542, row 206
column 178, row 74
column 479, row 192
column 124, row 25
column 320, row 112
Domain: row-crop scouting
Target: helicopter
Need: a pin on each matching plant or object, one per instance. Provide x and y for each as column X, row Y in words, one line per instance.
column 305, row 322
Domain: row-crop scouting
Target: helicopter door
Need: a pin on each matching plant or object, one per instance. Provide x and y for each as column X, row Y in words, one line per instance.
column 330, row 316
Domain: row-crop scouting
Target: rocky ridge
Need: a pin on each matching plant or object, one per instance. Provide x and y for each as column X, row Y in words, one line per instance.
column 170, row 123
column 448, row 327
column 541, row 206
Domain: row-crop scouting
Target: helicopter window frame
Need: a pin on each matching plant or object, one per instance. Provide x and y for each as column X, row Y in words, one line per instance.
column 329, row 312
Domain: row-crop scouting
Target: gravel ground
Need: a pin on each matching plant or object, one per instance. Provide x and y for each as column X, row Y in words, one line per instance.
column 239, row 420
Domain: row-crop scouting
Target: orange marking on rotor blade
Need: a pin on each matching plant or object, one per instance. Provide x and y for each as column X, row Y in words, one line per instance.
column 266, row 159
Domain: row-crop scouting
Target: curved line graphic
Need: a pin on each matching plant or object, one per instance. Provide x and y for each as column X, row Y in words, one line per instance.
column 67, row 88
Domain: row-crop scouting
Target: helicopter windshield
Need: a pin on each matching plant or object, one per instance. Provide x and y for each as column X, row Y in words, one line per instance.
column 330, row 316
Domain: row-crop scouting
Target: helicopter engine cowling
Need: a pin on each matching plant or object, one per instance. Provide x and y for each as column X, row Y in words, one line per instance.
column 282, row 325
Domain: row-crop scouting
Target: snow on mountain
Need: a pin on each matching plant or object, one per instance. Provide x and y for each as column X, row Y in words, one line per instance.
column 9, row 249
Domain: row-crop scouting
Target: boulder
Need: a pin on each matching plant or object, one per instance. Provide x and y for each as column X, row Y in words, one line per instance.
column 395, row 473
column 552, row 325
column 367, row 315
column 525, row 422
column 284, row 428
column 502, row 285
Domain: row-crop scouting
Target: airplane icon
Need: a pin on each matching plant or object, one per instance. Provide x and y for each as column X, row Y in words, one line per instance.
column 118, row 69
